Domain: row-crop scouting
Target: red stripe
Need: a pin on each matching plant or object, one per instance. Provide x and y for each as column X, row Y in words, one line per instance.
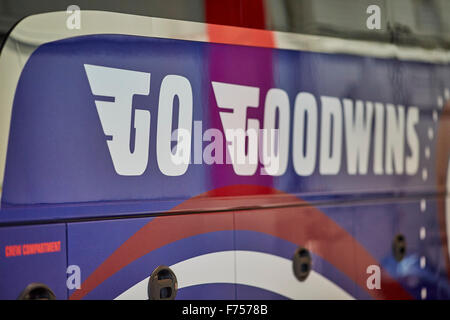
column 240, row 36
column 311, row 228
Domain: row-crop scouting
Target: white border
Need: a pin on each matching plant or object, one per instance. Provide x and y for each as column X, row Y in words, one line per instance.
column 36, row 30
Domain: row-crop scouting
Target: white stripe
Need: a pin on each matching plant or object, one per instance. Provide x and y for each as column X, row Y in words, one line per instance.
column 261, row 270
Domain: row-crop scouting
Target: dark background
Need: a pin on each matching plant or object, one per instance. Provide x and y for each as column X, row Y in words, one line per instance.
column 407, row 22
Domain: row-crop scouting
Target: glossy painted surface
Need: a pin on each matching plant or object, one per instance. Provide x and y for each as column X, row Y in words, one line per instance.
column 64, row 137
column 244, row 228
column 142, row 245
column 343, row 240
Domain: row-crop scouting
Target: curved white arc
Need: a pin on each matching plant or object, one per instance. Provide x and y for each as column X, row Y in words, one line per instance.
column 257, row 269
column 217, row 267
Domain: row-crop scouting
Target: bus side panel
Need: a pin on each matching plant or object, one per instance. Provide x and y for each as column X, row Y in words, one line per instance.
column 117, row 257
column 351, row 248
column 422, row 270
column 267, row 241
column 33, row 254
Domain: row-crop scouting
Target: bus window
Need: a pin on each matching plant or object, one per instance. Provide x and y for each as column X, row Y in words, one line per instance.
column 420, row 22
column 404, row 22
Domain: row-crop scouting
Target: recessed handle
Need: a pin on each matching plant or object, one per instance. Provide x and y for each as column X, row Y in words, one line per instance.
column 302, row 264
column 163, row 284
column 37, row 291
